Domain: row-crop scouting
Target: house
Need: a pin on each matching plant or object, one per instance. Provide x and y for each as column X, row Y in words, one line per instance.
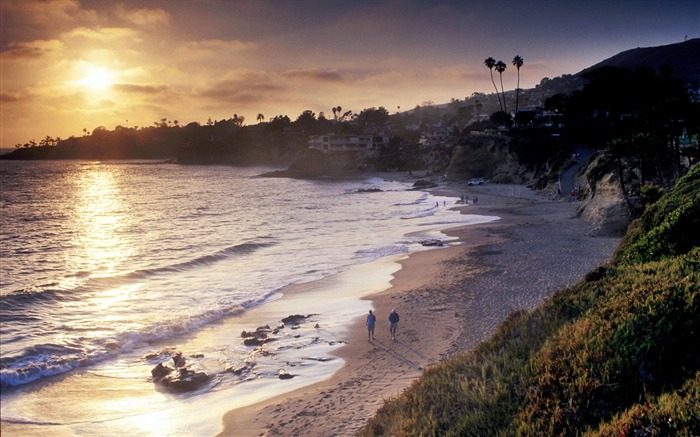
column 368, row 145
column 437, row 135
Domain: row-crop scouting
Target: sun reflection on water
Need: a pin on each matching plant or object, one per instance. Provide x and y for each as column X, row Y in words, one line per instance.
column 99, row 217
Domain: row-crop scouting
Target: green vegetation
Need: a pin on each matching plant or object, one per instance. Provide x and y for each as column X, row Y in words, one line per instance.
column 617, row 354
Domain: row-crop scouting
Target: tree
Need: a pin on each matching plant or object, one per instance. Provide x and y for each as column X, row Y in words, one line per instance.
column 47, row 141
column 490, row 63
column 260, row 117
column 518, row 62
column 372, row 118
column 238, row 120
column 306, row 121
column 501, row 67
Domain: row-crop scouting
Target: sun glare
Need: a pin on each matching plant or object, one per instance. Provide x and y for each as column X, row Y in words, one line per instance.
column 97, row 79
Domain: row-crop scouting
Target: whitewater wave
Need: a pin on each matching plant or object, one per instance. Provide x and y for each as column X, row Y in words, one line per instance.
column 52, row 359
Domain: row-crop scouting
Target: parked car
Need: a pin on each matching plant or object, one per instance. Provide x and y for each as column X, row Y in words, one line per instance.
column 476, row 181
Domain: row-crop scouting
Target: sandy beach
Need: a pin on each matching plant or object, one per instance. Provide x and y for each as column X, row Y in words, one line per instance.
column 449, row 300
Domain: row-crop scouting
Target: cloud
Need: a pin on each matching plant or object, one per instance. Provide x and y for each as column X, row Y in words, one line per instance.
column 35, row 19
column 31, row 49
column 102, row 34
column 206, row 48
column 324, row 75
column 150, row 90
column 239, row 90
column 7, row 97
column 143, row 16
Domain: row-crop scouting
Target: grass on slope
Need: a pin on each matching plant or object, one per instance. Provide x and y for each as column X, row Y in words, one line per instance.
column 617, row 354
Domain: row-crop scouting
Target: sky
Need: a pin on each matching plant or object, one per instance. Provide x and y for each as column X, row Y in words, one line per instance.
column 69, row 66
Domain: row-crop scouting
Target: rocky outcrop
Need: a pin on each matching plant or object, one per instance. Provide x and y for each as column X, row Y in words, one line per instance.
column 181, row 377
column 433, row 242
column 486, row 156
column 423, row 184
column 315, row 164
column 602, row 202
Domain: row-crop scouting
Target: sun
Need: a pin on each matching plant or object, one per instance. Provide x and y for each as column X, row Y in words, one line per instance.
column 97, row 79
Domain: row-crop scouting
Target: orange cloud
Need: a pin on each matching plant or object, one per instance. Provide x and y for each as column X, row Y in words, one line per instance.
column 143, row 16
column 325, row 75
column 31, row 49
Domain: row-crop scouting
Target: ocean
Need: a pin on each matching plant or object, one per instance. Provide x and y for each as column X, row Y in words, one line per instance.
column 108, row 268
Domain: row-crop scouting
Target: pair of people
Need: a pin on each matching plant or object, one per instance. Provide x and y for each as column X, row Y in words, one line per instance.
column 393, row 324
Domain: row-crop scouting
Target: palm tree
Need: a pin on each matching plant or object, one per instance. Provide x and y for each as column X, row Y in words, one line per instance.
column 490, row 63
column 260, row 117
column 518, row 62
column 501, row 67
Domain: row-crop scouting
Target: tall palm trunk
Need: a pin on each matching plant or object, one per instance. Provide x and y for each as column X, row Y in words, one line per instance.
column 518, row 62
column 490, row 63
column 501, row 67
column 498, row 95
column 505, row 108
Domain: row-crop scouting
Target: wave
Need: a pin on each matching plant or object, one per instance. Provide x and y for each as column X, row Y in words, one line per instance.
column 429, row 211
column 418, row 201
column 52, row 359
column 11, row 303
column 380, row 252
column 240, row 249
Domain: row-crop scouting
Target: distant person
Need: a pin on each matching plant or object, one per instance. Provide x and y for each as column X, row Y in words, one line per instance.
column 393, row 323
column 476, row 199
column 371, row 319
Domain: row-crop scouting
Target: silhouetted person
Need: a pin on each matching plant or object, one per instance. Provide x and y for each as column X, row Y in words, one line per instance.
column 393, row 323
column 371, row 318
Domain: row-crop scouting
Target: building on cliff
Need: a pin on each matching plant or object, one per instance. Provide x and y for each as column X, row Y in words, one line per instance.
column 367, row 145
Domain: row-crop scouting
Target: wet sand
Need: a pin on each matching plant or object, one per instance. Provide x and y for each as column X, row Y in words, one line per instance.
column 449, row 300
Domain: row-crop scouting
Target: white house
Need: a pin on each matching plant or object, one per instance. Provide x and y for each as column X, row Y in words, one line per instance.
column 368, row 145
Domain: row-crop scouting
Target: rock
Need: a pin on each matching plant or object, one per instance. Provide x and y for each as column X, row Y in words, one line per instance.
column 254, row 341
column 369, row 190
column 433, row 242
column 179, row 360
column 294, row 319
column 258, row 337
column 422, row 184
column 160, row 370
column 285, row 375
column 182, row 378
column 186, row 380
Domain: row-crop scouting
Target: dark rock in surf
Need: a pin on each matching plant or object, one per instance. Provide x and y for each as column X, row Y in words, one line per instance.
column 160, row 371
column 285, row 375
column 294, row 319
column 369, row 190
column 181, row 378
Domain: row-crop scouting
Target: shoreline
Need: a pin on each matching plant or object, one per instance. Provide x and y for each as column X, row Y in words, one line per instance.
column 449, row 300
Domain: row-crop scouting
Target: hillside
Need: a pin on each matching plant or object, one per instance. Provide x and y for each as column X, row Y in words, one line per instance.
column 683, row 58
column 615, row 355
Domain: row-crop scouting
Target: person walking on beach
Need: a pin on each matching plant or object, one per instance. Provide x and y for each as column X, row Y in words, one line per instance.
column 371, row 318
column 393, row 323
